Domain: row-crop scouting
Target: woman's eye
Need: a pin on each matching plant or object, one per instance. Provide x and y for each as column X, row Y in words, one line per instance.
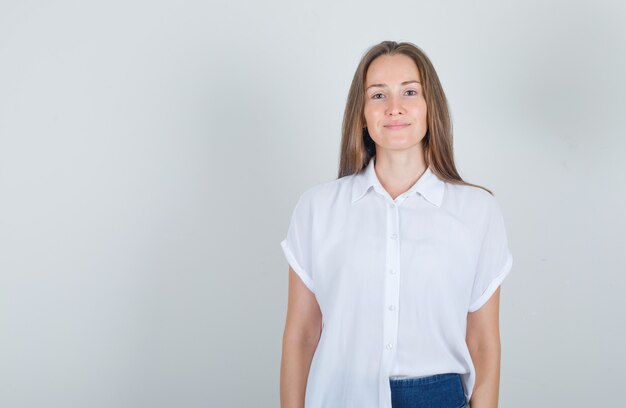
column 413, row 92
column 377, row 96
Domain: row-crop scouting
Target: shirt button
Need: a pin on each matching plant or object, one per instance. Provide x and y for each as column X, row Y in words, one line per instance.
column 390, row 205
column 389, row 346
column 391, row 307
column 394, row 236
column 392, row 271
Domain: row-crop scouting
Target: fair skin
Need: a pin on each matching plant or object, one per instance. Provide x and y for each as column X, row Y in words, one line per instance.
column 396, row 118
column 483, row 341
column 303, row 328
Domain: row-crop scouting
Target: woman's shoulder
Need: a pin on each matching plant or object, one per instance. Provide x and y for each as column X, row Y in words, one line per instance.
column 469, row 192
column 470, row 200
column 327, row 191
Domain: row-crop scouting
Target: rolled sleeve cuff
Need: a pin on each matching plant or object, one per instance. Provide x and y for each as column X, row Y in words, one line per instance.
column 291, row 259
column 497, row 281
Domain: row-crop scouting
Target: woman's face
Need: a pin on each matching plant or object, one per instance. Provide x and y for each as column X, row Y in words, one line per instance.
column 395, row 108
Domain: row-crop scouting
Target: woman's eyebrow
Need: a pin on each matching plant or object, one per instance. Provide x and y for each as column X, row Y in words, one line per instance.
column 385, row 85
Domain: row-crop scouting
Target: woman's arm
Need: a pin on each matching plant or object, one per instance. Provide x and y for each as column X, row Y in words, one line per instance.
column 483, row 341
column 303, row 329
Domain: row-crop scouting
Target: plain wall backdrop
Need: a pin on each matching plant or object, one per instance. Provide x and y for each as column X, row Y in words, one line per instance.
column 151, row 154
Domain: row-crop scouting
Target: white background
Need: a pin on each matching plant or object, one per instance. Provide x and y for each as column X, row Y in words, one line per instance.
column 151, row 153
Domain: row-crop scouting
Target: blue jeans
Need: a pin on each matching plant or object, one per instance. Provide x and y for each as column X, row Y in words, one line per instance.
column 434, row 391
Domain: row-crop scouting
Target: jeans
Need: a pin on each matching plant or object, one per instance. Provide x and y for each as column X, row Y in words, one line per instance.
column 434, row 391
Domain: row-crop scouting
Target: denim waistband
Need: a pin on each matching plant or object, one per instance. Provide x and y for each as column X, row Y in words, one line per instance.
column 410, row 381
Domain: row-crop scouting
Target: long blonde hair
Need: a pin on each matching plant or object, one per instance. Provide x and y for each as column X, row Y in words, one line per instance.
column 357, row 147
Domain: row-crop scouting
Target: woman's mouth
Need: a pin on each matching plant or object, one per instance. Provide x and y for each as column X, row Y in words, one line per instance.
column 397, row 126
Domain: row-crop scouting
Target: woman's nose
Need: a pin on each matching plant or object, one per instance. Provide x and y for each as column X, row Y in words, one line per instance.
column 395, row 106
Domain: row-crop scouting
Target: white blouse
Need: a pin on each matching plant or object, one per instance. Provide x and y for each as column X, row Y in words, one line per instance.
column 394, row 280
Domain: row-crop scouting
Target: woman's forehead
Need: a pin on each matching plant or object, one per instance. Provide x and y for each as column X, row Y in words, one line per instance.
column 396, row 68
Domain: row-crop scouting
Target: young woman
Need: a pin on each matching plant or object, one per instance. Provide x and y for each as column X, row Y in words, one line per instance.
column 395, row 266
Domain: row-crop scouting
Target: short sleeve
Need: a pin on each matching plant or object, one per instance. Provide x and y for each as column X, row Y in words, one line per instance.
column 297, row 245
column 494, row 260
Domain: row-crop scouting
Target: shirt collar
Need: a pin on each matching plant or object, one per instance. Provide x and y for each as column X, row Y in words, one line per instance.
column 428, row 185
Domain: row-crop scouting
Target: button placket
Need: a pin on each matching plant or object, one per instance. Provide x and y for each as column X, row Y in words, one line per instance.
column 392, row 290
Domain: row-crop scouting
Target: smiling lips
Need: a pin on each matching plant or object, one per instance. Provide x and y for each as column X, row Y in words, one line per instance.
column 396, row 125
